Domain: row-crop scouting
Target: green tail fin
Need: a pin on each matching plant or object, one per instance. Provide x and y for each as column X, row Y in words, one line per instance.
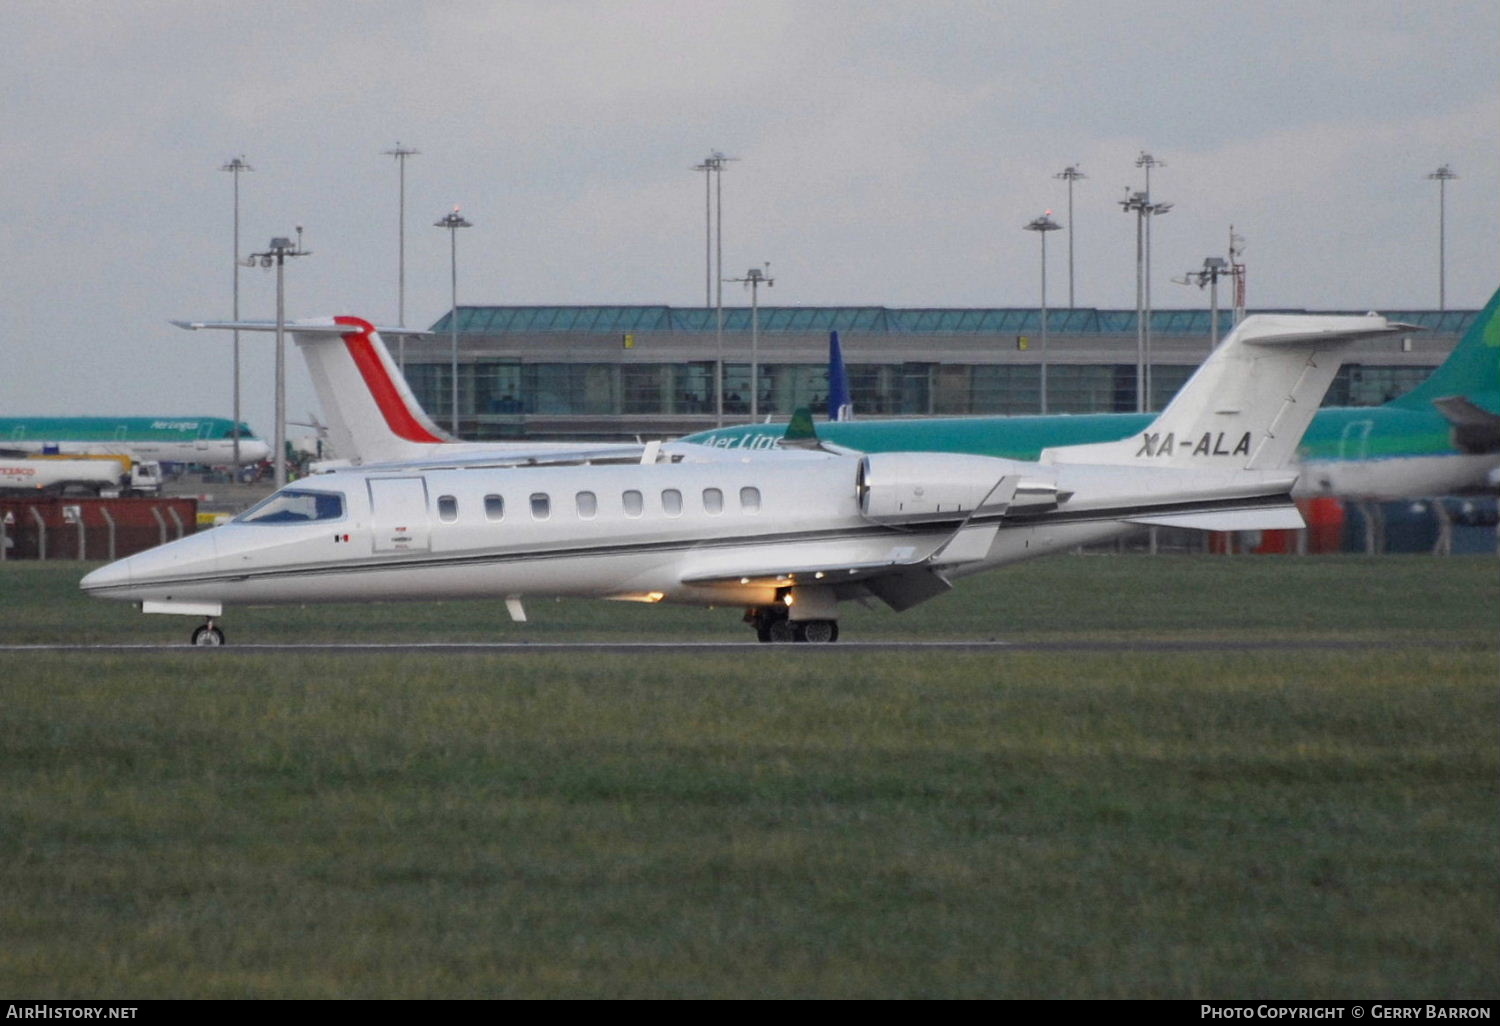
column 1472, row 369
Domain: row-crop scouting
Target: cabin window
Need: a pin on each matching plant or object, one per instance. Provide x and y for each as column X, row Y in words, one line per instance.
column 292, row 506
column 494, row 507
column 541, row 506
column 671, row 502
column 750, row 500
column 588, row 505
column 633, row 503
column 713, row 501
column 447, row 509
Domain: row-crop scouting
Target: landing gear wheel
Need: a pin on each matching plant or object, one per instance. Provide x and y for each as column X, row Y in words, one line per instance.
column 818, row 631
column 762, row 633
column 782, row 631
column 208, row 634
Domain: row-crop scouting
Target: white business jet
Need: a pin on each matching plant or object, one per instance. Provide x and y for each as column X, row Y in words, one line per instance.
column 786, row 535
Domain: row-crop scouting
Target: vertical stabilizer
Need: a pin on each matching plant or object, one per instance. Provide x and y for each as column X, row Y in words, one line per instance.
column 1249, row 403
column 1472, row 368
column 372, row 414
column 840, row 402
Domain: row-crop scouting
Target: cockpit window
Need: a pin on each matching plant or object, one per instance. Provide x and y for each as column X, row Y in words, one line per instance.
column 290, row 506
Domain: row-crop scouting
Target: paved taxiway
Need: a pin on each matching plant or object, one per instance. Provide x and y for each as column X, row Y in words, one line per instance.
column 654, row 647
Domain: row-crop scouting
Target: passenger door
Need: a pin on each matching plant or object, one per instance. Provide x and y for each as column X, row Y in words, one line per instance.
column 398, row 514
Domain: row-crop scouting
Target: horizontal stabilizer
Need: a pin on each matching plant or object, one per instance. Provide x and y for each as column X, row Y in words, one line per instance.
column 1274, row 518
column 1475, row 429
column 321, row 327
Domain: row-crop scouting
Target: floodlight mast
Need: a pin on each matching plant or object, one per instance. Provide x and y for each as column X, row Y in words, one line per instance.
column 1070, row 174
column 275, row 255
column 453, row 221
column 754, row 279
column 1443, row 176
column 400, row 153
column 1042, row 225
column 237, row 166
column 1140, row 204
column 1213, row 269
column 713, row 168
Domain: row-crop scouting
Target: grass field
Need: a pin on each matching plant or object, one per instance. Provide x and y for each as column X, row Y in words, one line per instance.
column 789, row 821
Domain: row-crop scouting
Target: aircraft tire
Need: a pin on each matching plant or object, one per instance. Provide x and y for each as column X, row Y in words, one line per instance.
column 782, row 631
column 818, row 631
column 208, row 635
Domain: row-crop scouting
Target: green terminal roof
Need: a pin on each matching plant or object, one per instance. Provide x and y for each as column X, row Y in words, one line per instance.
column 875, row 320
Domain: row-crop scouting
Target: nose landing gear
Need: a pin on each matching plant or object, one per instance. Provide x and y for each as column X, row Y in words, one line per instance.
column 208, row 634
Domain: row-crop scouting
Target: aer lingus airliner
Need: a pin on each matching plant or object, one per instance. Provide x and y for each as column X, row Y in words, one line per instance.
column 207, row 440
column 1441, row 438
column 785, row 535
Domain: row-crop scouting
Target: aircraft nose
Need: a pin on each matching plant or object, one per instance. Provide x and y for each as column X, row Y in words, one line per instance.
column 253, row 450
column 113, row 575
column 160, row 570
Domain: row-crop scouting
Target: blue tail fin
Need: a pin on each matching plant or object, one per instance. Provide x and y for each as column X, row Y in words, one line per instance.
column 840, row 402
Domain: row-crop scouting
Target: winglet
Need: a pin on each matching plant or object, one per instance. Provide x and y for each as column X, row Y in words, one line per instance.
column 800, row 433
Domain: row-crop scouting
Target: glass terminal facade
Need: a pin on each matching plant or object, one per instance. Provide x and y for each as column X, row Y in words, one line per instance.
column 559, row 372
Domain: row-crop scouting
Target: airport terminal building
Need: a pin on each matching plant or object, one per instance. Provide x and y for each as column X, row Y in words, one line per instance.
column 597, row 372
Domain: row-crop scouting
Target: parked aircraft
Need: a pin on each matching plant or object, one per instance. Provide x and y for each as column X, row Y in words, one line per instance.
column 1441, row 438
column 787, row 535
column 208, row 440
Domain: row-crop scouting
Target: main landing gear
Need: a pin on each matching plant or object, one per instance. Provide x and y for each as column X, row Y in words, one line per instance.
column 770, row 624
column 208, row 634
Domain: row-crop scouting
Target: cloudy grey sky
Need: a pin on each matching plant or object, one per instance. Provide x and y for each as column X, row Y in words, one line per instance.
column 890, row 152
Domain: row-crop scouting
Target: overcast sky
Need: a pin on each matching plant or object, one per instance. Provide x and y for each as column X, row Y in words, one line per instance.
column 889, row 154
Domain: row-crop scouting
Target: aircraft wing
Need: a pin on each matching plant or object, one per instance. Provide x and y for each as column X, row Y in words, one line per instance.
column 794, row 576
column 902, row 581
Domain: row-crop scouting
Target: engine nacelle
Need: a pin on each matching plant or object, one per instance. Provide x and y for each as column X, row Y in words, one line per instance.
column 906, row 487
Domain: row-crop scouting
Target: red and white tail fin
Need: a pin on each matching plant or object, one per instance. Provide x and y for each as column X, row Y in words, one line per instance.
column 372, row 415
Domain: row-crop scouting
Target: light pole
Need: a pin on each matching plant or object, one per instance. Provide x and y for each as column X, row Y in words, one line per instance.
column 236, row 167
column 400, row 153
column 1147, row 161
column 453, row 221
column 1443, row 176
column 1237, row 271
column 1042, row 225
column 1213, row 269
column 1139, row 203
column 713, row 167
column 1070, row 175
column 755, row 278
column 275, row 256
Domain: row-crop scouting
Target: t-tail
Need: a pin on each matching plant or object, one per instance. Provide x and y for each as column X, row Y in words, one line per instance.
column 373, row 417
column 840, row 402
column 1248, row 405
